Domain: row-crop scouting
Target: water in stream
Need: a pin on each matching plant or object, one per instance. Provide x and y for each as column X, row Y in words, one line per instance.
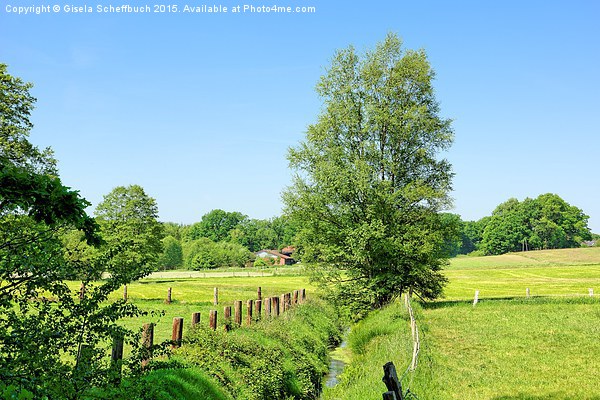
column 336, row 367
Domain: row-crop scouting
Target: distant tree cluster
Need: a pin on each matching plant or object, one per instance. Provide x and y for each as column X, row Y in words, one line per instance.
column 223, row 239
column 546, row 222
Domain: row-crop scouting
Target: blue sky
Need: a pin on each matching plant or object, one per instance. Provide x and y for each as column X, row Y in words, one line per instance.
column 200, row 109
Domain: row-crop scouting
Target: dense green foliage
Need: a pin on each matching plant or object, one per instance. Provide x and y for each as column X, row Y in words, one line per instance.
column 172, row 255
column 278, row 359
column 128, row 218
column 53, row 340
column 546, row 222
column 368, row 186
column 203, row 253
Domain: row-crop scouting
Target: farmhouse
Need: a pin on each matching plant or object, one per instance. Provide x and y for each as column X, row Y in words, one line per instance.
column 283, row 259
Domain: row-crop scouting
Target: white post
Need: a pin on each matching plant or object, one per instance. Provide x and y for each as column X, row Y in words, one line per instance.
column 591, row 292
column 527, row 292
column 476, row 298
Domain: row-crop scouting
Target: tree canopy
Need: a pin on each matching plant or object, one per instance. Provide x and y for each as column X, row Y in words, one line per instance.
column 368, row 184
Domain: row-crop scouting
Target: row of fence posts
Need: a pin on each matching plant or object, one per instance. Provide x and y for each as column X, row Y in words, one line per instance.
column 527, row 294
column 273, row 307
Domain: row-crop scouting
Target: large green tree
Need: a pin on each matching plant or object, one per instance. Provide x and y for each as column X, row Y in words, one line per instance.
column 128, row 218
column 216, row 225
column 369, row 184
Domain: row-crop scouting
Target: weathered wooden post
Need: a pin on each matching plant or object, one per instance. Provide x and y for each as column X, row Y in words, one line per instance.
column 302, row 295
column 81, row 291
column 527, row 293
column 268, row 308
column 177, row 335
column 295, row 297
column 275, row 306
column 390, row 378
column 195, row 319
column 216, row 297
column 147, row 343
column 237, row 312
column 116, row 358
column 227, row 318
column 282, row 304
column 257, row 309
column 259, row 293
column 288, row 301
column 168, row 301
column 212, row 320
column 125, row 293
column 249, row 306
column 591, row 292
column 476, row 299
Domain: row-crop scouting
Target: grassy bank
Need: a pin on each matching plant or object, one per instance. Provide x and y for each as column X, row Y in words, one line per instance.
column 278, row 359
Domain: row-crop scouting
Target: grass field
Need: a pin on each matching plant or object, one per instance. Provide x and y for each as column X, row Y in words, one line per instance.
column 508, row 347
column 562, row 272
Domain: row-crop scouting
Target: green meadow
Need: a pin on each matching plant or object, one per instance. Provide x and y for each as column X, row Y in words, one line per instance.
column 507, row 347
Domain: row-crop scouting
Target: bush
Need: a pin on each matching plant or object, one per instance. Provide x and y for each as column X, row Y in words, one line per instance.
column 282, row 358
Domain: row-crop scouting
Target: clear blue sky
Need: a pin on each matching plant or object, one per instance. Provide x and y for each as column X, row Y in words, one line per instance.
column 200, row 109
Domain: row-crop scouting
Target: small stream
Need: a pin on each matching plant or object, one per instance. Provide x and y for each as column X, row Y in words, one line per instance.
column 336, row 364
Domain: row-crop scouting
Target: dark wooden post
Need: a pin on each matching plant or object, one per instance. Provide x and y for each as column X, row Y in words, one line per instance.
column 275, row 306
column 216, row 297
column 213, row 319
column 302, row 295
column 259, row 293
column 116, row 358
column 81, row 291
column 195, row 319
column 168, row 301
column 257, row 309
column 249, row 306
column 389, row 396
column 295, row 297
column 390, row 378
column 177, row 335
column 288, row 301
column 237, row 312
column 125, row 293
column 147, row 342
column 227, row 317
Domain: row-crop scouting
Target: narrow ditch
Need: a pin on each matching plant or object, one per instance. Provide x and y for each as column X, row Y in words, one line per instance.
column 337, row 363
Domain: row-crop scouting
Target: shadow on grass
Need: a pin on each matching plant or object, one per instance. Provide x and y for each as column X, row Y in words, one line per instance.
column 155, row 281
column 552, row 396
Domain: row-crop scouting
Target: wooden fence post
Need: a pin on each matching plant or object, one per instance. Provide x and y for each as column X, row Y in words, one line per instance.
column 213, row 319
column 591, row 292
column 268, row 309
column 259, row 293
column 302, row 295
column 282, row 304
column 81, row 291
column 390, row 378
column 195, row 319
column 527, row 292
column 125, row 293
column 237, row 312
column 476, row 299
column 147, row 343
column 389, row 396
column 249, row 306
column 295, row 297
column 168, row 301
column 257, row 309
column 177, row 335
column 227, row 318
column 275, row 306
column 116, row 358
column 288, row 301
column 216, row 297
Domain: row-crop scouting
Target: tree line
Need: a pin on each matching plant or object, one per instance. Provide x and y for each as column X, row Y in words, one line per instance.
column 546, row 222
